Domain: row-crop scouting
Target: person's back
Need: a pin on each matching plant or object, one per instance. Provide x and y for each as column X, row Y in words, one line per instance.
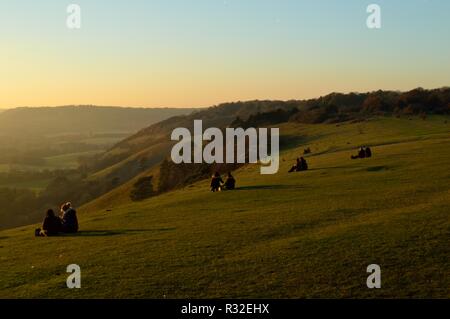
column 362, row 153
column 230, row 183
column 298, row 165
column 69, row 220
column 368, row 152
column 52, row 224
column 304, row 164
column 216, row 182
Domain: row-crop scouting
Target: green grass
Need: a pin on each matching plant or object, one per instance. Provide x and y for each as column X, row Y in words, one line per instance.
column 298, row 235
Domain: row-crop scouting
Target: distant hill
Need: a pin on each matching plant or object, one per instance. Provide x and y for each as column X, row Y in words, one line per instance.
column 151, row 145
column 139, row 167
column 141, row 151
column 81, row 119
column 40, row 137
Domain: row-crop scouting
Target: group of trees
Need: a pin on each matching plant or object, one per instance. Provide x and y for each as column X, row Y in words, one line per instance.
column 338, row 107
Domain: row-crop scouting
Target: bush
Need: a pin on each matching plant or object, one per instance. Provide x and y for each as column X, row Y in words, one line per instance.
column 142, row 189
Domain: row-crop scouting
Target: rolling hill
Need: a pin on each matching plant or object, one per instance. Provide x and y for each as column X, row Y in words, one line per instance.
column 300, row 235
column 39, row 145
column 136, row 167
column 82, row 119
column 140, row 155
column 38, row 138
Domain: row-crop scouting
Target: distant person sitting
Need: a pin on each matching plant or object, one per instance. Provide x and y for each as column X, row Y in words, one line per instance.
column 362, row 153
column 301, row 165
column 69, row 218
column 294, row 168
column 216, row 182
column 230, row 183
column 51, row 225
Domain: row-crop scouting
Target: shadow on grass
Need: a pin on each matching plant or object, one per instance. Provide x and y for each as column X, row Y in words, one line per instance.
column 268, row 187
column 324, row 168
column 336, row 167
column 116, row 232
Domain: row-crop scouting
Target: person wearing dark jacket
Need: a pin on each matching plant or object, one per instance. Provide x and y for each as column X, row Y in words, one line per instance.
column 368, row 152
column 216, row 182
column 303, row 164
column 362, row 153
column 69, row 219
column 230, row 183
column 51, row 225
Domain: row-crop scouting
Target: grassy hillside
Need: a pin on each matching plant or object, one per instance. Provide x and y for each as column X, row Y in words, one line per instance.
column 124, row 160
column 153, row 143
column 308, row 234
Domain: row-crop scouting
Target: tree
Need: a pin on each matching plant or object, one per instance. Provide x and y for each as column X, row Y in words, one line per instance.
column 142, row 189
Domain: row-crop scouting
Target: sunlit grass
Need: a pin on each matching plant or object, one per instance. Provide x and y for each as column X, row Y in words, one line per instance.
column 309, row 234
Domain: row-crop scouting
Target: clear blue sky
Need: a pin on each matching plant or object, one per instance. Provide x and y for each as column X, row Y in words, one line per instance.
column 202, row 52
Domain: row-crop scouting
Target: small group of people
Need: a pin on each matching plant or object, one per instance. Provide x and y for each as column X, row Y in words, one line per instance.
column 301, row 165
column 217, row 184
column 364, row 152
column 53, row 225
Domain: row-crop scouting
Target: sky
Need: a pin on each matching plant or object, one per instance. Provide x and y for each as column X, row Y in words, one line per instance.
column 179, row 53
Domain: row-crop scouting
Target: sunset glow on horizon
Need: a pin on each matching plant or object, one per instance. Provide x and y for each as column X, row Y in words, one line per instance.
column 200, row 53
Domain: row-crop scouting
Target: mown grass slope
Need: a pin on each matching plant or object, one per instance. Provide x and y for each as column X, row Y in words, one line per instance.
column 297, row 235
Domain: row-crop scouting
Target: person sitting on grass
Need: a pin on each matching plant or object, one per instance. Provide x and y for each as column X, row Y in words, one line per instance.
column 69, row 218
column 364, row 152
column 301, row 165
column 295, row 167
column 216, row 182
column 230, row 183
column 51, row 225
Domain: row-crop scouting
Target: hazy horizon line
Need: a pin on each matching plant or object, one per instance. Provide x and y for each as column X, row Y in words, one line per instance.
column 216, row 104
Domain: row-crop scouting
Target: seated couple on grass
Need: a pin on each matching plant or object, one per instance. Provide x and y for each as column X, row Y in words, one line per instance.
column 54, row 225
column 217, row 184
column 364, row 152
column 300, row 166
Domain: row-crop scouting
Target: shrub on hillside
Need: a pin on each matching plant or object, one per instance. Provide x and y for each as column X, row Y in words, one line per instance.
column 142, row 189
